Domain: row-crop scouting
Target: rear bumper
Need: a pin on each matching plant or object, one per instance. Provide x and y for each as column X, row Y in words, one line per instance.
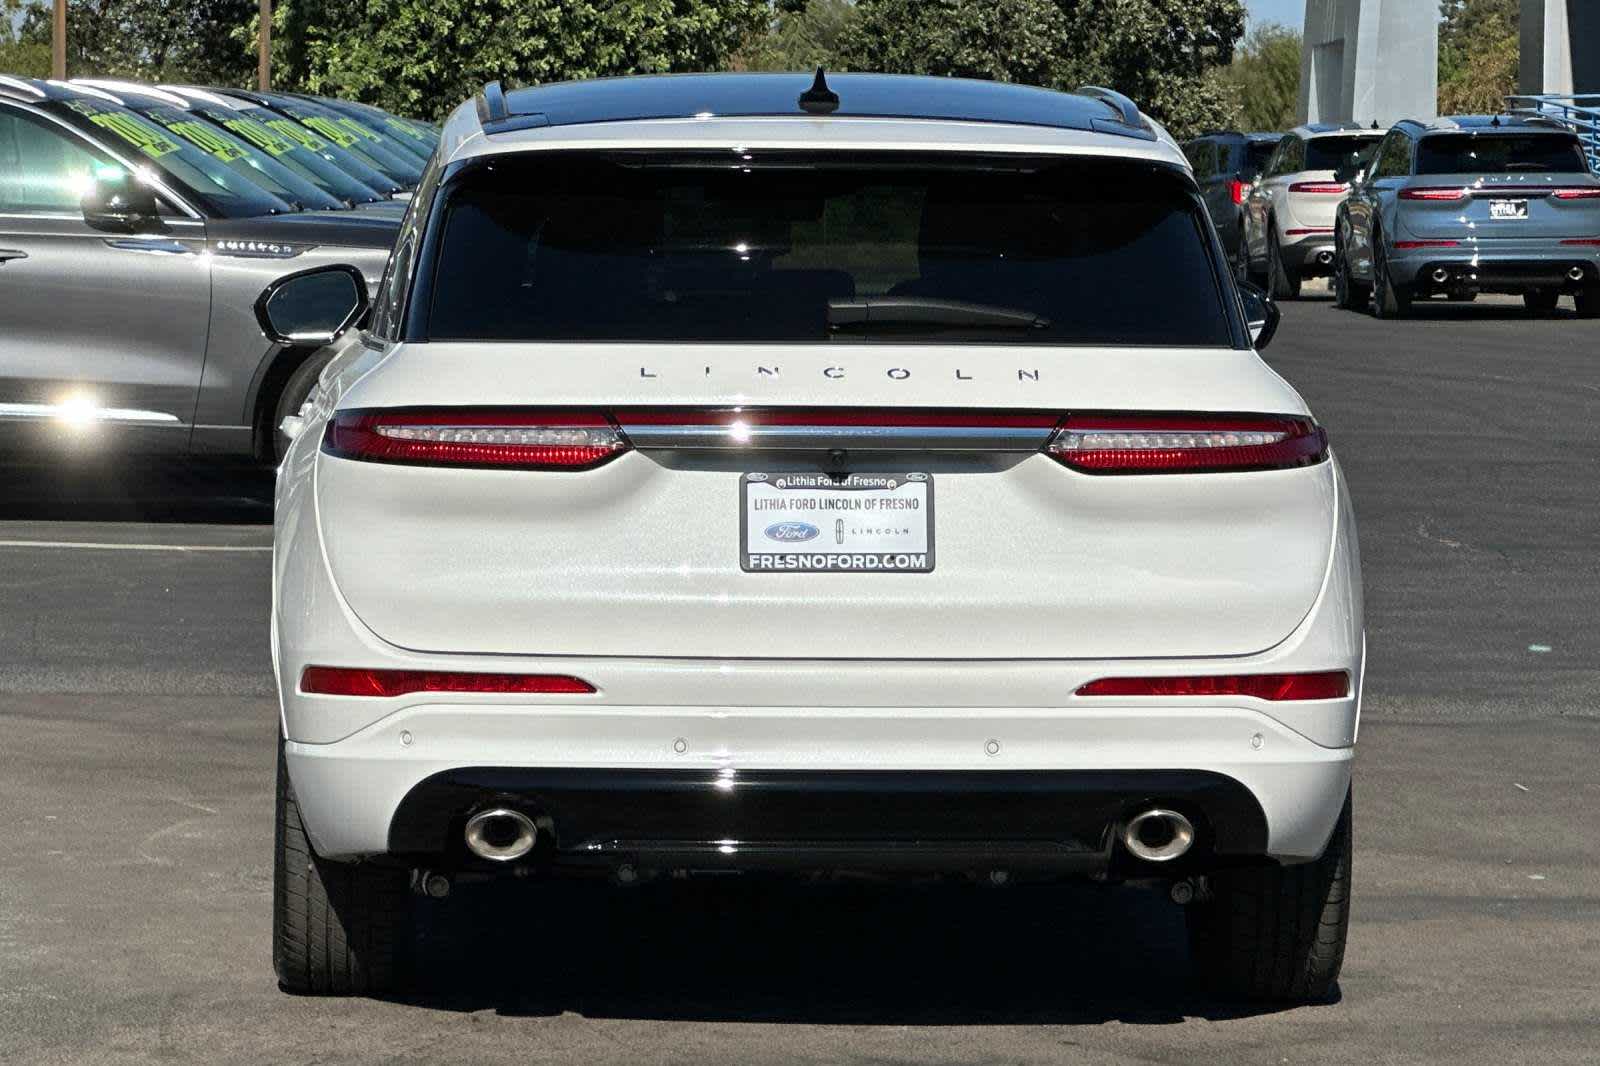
column 793, row 782
column 1501, row 275
column 1308, row 253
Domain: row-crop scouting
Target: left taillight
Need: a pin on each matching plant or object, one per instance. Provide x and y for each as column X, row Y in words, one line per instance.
column 1153, row 444
column 1329, row 188
column 526, row 440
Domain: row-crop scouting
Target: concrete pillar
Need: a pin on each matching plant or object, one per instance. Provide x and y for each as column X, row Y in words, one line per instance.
column 1560, row 47
column 1369, row 61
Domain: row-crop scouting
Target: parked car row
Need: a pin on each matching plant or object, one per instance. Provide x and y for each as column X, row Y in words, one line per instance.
column 139, row 225
column 1447, row 208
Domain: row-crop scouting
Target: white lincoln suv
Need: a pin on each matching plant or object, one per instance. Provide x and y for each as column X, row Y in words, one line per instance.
column 837, row 474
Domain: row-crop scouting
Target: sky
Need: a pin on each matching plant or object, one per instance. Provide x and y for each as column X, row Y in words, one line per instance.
column 1291, row 13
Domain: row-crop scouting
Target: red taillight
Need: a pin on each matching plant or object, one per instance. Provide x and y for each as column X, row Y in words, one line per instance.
column 1328, row 187
column 351, row 681
column 1327, row 685
column 1307, row 231
column 1165, row 444
column 1584, row 242
column 1237, row 189
column 1442, row 195
column 1427, row 244
column 540, row 440
column 1582, row 193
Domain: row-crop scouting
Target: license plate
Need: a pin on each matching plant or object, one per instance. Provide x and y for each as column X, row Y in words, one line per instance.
column 812, row 523
column 1508, row 209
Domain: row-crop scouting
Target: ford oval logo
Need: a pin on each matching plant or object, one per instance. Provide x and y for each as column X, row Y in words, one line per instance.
column 792, row 532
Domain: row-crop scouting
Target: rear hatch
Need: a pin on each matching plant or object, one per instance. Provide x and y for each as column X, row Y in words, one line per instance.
column 806, row 408
column 1501, row 186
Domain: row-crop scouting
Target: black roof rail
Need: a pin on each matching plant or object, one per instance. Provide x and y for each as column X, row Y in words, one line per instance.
column 1124, row 106
column 492, row 104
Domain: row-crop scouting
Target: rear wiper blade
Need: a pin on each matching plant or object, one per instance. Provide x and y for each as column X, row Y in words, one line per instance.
column 892, row 312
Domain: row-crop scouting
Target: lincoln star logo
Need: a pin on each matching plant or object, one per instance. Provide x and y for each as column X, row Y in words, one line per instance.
column 792, row 532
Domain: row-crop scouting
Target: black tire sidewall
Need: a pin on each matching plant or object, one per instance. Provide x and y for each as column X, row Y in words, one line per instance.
column 293, row 395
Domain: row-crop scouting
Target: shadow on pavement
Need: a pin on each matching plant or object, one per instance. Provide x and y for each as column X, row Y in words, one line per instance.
column 751, row 950
column 136, row 490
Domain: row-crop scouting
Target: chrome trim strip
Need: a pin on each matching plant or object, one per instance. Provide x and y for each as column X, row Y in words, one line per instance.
column 84, row 414
column 811, row 438
column 149, row 244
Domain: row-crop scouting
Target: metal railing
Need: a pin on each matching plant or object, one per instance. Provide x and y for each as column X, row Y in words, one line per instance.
column 1581, row 112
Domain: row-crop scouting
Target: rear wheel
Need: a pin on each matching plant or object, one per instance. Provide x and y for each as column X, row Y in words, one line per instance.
column 1348, row 293
column 1285, row 279
column 337, row 928
column 294, row 393
column 1389, row 300
column 1588, row 301
column 1541, row 301
column 1276, row 932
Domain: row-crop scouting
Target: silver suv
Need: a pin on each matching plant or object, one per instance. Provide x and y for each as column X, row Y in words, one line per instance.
column 130, row 261
column 1288, row 214
column 1470, row 204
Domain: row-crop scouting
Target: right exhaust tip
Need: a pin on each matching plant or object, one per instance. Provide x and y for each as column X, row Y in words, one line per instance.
column 500, row 834
column 1158, row 835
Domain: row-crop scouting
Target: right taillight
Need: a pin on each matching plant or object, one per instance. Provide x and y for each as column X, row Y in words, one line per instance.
column 1140, row 444
column 526, row 440
column 1237, row 189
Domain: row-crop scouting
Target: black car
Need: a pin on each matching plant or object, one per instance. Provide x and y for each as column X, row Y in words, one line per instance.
column 1225, row 163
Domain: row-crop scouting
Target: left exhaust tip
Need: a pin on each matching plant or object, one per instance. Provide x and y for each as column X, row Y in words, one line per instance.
column 500, row 834
column 1158, row 835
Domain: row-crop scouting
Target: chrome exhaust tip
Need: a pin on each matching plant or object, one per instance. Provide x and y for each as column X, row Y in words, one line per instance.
column 500, row 834
column 1441, row 275
column 1325, row 258
column 1576, row 273
column 1158, row 835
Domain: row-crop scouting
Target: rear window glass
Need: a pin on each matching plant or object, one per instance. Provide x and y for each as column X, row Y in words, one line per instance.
column 1331, row 153
column 1479, row 153
column 808, row 248
column 1256, row 155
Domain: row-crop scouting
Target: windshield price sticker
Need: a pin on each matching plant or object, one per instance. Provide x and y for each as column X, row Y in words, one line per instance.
column 204, row 137
column 259, row 135
column 847, row 523
column 298, row 133
column 330, row 130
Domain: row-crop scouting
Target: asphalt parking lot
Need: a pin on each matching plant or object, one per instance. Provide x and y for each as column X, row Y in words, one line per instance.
column 137, row 752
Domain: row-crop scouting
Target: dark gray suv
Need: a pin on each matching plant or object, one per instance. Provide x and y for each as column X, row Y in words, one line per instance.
column 130, row 263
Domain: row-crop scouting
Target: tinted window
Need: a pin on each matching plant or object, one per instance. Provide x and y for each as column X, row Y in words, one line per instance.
column 1394, row 157
column 291, row 154
column 1256, row 155
column 209, row 181
column 1331, row 153
column 42, row 170
column 240, row 156
column 793, row 247
column 1203, row 157
column 1489, row 153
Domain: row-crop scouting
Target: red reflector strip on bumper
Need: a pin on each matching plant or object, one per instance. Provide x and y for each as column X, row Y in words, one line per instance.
column 1138, row 444
column 1307, row 231
column 353, row 681
column 1427, row 244
column 1328, row 685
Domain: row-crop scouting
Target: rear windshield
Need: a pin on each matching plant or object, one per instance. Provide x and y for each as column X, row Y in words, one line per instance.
column 1255, row 159
column 1490, row 153
column 1331, row 153
column 758, row 247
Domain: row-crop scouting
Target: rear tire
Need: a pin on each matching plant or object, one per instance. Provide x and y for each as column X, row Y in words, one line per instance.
column 1348, row 293
column 1541, row 301
column 1242, row 270
column 296, row 390
column 1276, row 932
column 1389, row 300
column 1587, row 300
column 1285, row 278
column 337, row 928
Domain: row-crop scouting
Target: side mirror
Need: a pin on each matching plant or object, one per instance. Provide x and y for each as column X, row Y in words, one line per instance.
column 117, row 201
column 1261, row 314
column 313, row 307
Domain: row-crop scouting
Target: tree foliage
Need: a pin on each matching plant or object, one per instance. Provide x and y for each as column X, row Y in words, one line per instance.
column 800, row 36
column 150, row 40
column 421, row 57
column 1264, row 78
column 1479, row 52
column 19, row 54
column 1159, row 52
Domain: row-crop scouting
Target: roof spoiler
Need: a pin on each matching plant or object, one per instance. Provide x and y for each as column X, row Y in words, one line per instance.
column 1129, row 120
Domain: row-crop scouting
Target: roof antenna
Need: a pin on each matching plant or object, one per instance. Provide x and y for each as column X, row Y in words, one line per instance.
column 1374, row 123
column 819, row 99
column 1495, row 121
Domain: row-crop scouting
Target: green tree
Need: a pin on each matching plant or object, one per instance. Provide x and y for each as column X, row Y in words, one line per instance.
column 800, row 36
column 1479, row 53
column 421, row 57
column 1160, row 52
column 21, row 55
column 151, row 40
column 1264, row 78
